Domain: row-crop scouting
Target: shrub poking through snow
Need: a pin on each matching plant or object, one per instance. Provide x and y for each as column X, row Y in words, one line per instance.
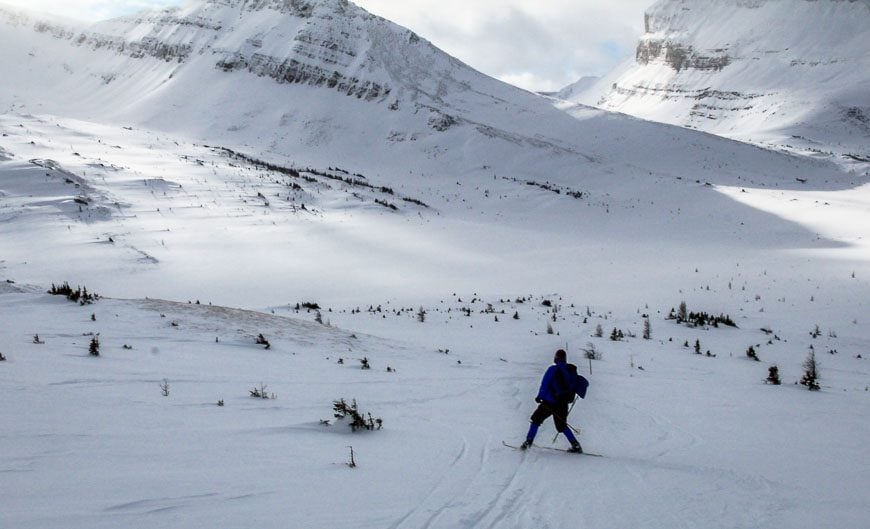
column 2, row 358
column 164, row 387
column 94, row 347
column 752, row 354
column 358, row 420
column 773, row 376
column 590, row 353
column 811, row 372
column 261, row 340
column 261, row 393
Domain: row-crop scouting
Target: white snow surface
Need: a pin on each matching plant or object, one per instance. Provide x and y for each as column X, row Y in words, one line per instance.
column 204, row 202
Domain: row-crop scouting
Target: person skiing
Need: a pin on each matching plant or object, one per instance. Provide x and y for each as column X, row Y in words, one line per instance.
column 558, row 387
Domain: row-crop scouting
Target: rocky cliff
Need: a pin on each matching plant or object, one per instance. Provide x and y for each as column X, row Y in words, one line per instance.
column 786, row 73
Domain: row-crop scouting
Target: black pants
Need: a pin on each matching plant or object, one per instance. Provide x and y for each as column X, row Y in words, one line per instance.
column 558, row 410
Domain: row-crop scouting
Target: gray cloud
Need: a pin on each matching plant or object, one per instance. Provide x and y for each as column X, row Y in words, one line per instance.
column 541, row 45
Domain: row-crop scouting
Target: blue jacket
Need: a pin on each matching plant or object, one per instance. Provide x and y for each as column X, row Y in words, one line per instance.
column 561, row 382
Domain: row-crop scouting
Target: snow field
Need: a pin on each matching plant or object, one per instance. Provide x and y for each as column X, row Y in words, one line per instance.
column 687, row 439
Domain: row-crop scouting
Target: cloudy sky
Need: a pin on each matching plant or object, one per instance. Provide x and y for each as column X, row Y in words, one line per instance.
column 538, row 45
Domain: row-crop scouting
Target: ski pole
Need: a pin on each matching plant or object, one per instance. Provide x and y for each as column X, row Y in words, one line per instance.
column 575, row 430
column 566, row 422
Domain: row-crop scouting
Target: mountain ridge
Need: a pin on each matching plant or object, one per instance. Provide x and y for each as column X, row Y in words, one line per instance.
column 717, row 67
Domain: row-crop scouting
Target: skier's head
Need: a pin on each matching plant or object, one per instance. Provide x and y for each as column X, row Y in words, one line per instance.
column 560, row 356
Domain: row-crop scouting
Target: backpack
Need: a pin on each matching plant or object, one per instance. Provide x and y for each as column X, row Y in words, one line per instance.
column 568, row 383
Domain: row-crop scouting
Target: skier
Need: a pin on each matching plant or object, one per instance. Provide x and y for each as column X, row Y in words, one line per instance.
column 558, row 387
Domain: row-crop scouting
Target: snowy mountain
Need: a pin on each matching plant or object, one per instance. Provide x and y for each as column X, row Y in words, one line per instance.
column 780, row 73
column 299, row 200
column 274, row 76
column 576, row 89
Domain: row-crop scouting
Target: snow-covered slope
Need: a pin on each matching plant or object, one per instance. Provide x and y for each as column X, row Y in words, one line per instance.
column 576, row 89
column 789, row 74
column 264, row 154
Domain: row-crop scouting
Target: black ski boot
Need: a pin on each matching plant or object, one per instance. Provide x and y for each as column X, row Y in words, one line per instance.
column 576, row 448
column 526, row 444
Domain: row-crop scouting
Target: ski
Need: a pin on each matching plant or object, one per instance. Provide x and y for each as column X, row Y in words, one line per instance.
column 554, row 449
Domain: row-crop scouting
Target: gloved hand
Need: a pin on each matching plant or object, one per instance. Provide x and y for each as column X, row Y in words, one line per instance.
column 539, row 400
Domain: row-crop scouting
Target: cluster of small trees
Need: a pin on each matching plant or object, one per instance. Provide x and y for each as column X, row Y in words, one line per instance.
column 810, row 377
column 77, row 295
column 358, row 420
column 699, row 319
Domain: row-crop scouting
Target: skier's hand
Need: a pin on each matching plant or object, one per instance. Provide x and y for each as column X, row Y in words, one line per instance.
column 539, row 400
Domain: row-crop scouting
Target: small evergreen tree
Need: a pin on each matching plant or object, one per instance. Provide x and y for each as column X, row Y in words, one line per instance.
column 94, row 348
column 698, row 346
column 421, row 315
column 682, row 313
column 811, row 372
column 647, row 329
